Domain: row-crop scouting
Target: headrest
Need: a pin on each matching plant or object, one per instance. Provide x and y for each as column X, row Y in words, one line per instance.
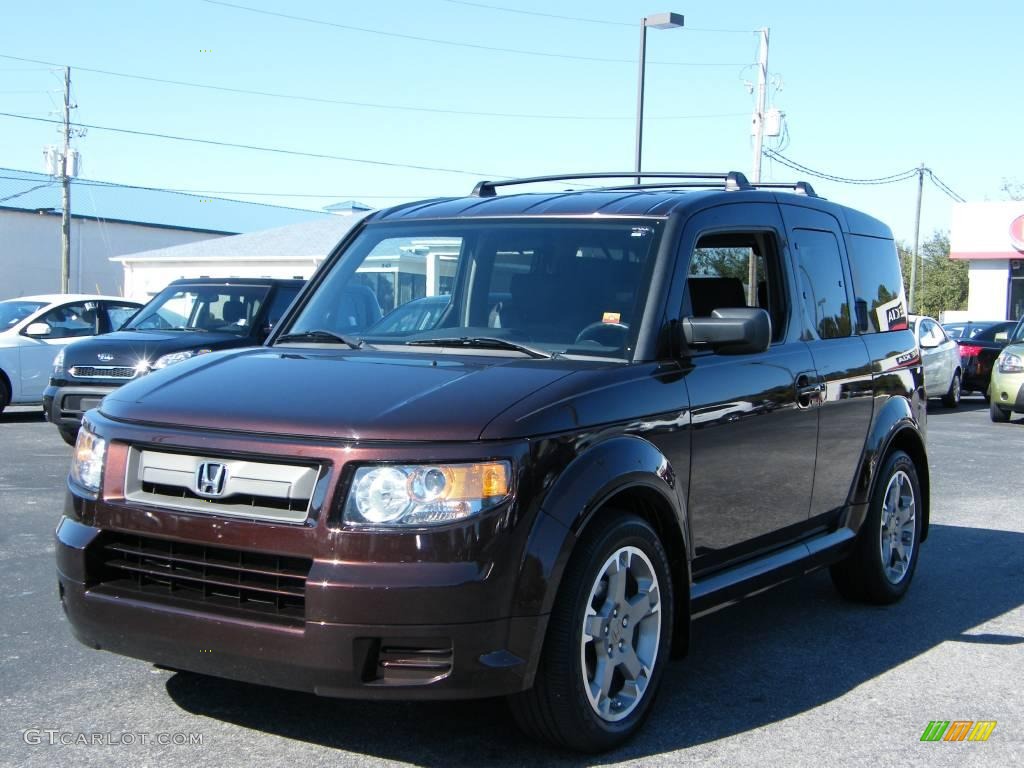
column 233, row 312
column 710, row 293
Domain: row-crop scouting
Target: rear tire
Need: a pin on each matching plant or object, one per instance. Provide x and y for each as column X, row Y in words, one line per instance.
column 952, row 398
column 608, row 640
column 881, row 566
column 5, row 394
column 997, row 413
column 68, row 434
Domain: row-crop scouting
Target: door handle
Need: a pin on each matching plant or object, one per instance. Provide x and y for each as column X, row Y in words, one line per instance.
column 808, row 389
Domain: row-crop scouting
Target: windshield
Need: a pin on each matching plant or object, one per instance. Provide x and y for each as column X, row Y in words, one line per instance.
column 14, row 311
column 221, row 308
column 566, row 287
column 1018, row 333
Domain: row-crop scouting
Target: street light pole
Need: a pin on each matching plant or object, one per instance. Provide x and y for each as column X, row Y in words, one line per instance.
column 658, row 21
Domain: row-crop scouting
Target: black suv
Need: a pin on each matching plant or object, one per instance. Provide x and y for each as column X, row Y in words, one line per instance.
column 634, row 404
column 189, row 317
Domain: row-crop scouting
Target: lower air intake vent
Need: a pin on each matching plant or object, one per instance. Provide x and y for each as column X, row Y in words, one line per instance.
column 217, row 579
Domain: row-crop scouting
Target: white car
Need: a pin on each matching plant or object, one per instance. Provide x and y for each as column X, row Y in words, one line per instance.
column 940, row 357
column 33, row 329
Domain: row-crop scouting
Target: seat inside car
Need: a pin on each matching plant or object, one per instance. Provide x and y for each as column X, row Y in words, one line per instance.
column 711, row 293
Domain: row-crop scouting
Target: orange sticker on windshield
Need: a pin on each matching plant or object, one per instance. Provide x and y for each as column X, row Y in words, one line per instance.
column 610, row 317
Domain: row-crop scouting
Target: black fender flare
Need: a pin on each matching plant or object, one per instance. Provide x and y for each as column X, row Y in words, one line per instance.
column 624, row 463
column 893, row 428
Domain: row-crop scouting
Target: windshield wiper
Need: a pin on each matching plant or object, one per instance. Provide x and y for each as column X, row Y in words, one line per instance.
column 322, row 336
column 481, row 342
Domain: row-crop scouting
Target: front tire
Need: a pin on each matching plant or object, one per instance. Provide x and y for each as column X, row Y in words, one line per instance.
column 5, row 394
column 952, row 397
column 997, row 413
column 608, row 641
column 881, row 566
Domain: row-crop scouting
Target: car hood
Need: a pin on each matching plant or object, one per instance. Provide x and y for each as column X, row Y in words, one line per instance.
column 127, row 348
column 1017, row 348
column 355, row 395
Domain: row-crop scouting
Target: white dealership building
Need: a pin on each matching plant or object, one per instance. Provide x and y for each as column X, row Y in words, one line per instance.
column 990, row 237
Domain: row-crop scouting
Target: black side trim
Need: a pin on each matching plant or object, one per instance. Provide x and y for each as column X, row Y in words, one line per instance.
column 753, row 576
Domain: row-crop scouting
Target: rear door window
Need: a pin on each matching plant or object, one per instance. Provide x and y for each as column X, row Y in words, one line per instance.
column 118, row 314
column 822, row 283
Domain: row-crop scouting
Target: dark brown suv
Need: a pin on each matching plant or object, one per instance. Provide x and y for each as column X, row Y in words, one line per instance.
column 636, row 404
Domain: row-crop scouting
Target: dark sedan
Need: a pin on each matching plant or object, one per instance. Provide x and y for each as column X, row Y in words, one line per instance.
column 980, row 345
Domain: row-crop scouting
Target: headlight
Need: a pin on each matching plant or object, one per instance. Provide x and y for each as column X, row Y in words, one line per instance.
column 87, row 461
column 58, row 364
column 177, row 357
column 394, row 495
column 1010, row 363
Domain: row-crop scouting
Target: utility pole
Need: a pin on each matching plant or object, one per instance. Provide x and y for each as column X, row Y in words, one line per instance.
column 762, row 94
column 65, row 224
column 917, row 237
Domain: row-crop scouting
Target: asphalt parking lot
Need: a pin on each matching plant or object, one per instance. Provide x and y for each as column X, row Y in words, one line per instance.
column 793, row 677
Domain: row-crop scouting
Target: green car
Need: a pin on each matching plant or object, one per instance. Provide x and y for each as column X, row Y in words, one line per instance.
column 1006, row 391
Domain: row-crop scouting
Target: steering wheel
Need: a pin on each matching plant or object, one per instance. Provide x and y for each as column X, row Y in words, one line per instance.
column 605, row 334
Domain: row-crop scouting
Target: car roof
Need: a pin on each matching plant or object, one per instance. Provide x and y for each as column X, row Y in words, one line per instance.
column 648, row 201
column 296, row 281
column 62, row 298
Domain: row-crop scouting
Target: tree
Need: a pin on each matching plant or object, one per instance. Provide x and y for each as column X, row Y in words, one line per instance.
column 942, row 282
column 1014, row 190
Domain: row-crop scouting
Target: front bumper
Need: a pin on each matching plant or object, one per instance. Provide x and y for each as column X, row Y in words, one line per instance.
column 404, row 649
column 64, row 406
column 1007, row 390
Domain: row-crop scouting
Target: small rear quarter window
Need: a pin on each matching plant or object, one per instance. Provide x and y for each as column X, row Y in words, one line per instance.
column 879, row 299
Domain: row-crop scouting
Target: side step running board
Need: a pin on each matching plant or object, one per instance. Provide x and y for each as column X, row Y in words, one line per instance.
column 747, row 578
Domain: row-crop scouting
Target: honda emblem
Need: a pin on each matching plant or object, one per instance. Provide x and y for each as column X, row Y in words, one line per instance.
column 210, row 479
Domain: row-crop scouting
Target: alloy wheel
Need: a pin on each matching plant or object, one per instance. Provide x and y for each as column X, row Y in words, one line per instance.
column 897, row 532
column 621, row 632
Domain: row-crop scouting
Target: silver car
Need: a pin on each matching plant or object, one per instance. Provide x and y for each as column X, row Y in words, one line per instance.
column 33, row 329
column 940, row 357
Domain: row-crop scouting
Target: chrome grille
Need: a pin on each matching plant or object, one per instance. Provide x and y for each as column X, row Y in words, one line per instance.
column 102, row 372
column 248, row 488
column 222, row 579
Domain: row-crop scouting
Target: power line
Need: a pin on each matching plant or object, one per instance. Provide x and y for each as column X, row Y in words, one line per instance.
column 459, row 44
column 896, row 177
column 944, row 187
column 365, row 104
column 25, row 191
column 521, row 12
column 892, row 179
column 256, row 148
column 581, row 18
column 93, row 182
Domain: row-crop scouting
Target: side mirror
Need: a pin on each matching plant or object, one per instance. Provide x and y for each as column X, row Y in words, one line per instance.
column 929, row 343
column 735, row 331
column 38, row 330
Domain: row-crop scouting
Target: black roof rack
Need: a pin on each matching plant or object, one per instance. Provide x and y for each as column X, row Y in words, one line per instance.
column 730, row 181
column 798, row 187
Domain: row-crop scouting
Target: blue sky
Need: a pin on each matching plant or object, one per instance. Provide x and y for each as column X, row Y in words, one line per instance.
column 869, row 89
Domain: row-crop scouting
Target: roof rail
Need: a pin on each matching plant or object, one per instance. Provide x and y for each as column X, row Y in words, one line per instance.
column 798, row 187
column 730, row 181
